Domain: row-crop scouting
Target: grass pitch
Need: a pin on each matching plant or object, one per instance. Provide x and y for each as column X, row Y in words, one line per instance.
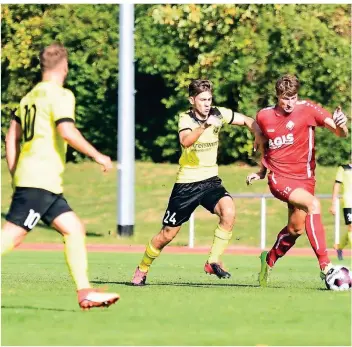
column 180, row 306
column 93, row 196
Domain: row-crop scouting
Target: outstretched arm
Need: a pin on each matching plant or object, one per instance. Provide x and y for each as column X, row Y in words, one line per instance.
column 13, row 148
column 241, row 119
column 75, row 139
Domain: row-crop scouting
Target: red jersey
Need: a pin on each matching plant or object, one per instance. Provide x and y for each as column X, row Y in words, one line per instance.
column 291, row 151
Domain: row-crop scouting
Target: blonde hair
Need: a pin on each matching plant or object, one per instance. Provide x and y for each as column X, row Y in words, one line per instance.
column 287, row 85
column 51, row 56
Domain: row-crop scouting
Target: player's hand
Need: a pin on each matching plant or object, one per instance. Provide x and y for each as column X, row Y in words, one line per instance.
column 213, row 120
column 255, row 177
column 339, row 117
column 104, row 161
column 332, row 209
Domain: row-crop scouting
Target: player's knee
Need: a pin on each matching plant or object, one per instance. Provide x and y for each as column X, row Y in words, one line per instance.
column 296, row 230
column 169, row 233
column 314, row 206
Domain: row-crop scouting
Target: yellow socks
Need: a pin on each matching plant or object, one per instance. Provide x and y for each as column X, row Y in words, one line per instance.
column 347, row 239
column 76, row 257
column 220, row 243
column 150, row 254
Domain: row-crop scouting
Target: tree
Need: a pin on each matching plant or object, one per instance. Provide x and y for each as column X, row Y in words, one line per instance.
column 90, row 33
column 243, row 49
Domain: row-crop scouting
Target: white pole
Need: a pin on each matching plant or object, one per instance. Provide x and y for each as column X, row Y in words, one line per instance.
column 191, row 231
column 262, row 222
column 126, row 123
column 337, row 222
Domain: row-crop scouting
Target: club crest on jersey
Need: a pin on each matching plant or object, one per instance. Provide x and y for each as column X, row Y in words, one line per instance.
column 279, row 141
column 290, row 125
column 216, row 130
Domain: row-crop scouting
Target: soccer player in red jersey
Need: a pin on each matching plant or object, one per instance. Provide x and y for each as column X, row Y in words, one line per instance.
column 288, row 150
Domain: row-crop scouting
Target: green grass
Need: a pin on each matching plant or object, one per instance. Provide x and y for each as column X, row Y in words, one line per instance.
column 93, row 196
column 180, row 306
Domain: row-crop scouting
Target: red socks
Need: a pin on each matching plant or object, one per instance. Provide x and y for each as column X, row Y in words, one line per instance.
column 316, row 236
column 283, row 243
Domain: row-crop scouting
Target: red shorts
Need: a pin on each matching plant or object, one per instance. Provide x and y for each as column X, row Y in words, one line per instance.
column 282, row 187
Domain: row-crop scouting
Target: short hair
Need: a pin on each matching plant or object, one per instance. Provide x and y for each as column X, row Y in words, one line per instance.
column 51, row 56
column 199, row 86
column 287, row 85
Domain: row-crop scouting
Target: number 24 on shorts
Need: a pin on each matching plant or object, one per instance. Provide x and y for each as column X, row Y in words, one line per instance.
column 172, row 217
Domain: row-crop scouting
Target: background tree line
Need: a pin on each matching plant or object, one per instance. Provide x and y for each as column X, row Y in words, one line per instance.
column 243, row 49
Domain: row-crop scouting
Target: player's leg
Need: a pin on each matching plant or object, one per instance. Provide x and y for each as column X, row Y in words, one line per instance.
column 183, row 201
column 27, row 206
column 288, row 235
column 61, row 217
column 303, row 199
column 347, row 237
column 218, row 201
column 285, row 240
column 73, row 232
column 152, row 251
column 11, row 236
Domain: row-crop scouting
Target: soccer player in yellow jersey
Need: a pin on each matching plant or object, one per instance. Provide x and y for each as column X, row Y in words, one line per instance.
column 344, row 177
column 197, row 181
column 36, row 145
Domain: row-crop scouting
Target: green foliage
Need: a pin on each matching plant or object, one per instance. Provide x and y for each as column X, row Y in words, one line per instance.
column 90, row 34
column 243, row 49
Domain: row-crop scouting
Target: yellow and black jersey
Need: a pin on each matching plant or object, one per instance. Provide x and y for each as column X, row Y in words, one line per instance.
column 199, row 161
column 344, row 176
column 43, row 153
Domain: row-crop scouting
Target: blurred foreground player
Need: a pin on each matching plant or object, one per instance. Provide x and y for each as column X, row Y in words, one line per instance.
column 36, row 145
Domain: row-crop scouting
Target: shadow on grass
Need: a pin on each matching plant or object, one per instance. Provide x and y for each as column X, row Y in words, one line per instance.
column 183, row 284
column 35, row 308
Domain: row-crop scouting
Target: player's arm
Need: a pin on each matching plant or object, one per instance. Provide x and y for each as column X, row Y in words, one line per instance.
column 335, row 196
column 259, row 175
column 13, row 145
column 337, row 124
column 260, row 145
column 241, row 119
column 336, row 188
column 188, row 137
column 75, row 139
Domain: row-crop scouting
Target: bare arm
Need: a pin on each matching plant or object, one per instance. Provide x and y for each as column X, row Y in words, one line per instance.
column 75, row 139
column 335, row 194
column 260, row 145
column 188, row 137
column 241, row 119
column 13, row 148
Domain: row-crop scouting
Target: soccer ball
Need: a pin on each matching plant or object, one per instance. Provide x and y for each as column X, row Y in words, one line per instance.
column 338, row 278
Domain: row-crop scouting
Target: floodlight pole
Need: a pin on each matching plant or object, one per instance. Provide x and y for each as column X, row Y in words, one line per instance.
column 126, row 123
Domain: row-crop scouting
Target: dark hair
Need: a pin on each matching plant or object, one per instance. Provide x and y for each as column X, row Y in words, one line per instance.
column 287, row 85
column 51, row 56
column 199, row 86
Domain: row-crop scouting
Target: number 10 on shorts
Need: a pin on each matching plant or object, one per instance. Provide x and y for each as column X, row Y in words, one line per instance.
column 170, row 218
column 32, row 219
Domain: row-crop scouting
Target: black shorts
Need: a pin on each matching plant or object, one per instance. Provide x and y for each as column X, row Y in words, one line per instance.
column 347, row 213
column 29, row 205
column 186, row 197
